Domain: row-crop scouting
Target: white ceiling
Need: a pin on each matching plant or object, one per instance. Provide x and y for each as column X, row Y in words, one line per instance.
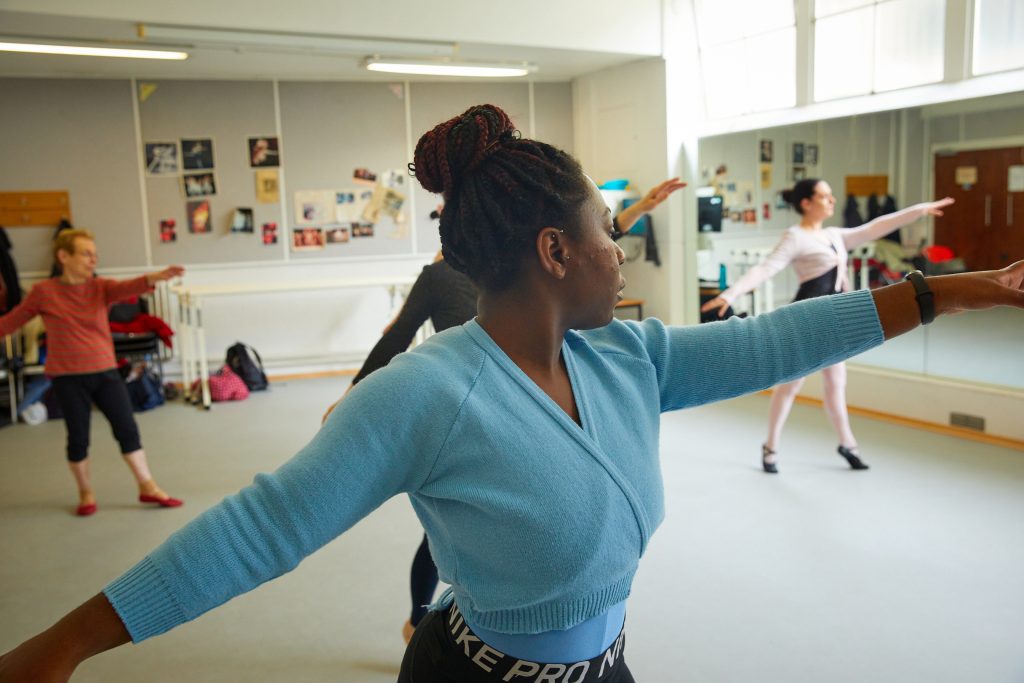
column 252, row 62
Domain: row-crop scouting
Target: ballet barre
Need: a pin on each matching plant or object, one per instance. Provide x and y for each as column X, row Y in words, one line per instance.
column 192, row 336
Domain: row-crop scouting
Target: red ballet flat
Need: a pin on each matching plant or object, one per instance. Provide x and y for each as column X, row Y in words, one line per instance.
column 86, row 509
column 167, row 502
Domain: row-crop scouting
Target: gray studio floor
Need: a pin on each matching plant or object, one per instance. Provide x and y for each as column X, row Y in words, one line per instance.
column 913, row 571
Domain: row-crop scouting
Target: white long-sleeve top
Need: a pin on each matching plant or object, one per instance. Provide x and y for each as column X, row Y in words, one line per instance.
column 815, row 251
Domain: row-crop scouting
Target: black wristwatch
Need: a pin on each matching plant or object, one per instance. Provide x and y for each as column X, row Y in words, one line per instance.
column 925, row 297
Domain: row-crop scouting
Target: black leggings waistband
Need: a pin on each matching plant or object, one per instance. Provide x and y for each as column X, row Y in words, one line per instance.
column 444, row 648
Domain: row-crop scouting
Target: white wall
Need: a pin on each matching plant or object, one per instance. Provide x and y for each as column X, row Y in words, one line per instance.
column 620, row 132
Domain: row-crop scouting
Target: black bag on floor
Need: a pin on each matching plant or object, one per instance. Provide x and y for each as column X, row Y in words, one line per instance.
column 247, row 364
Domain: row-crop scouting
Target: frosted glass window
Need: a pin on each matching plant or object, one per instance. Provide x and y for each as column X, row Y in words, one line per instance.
column 771, row 70
column 825, row 8
column 755, row 74
column 763, row 16
column 722, row 66
column 722, row 21
column 998, row 35
column 843, row 54
column 714, row 22
column 909, row 35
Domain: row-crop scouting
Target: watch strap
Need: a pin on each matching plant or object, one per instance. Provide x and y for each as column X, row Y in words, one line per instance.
column 923, row 294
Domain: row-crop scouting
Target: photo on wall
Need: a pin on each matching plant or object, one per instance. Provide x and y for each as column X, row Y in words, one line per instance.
column 798, row 152
column 337, row 235
column 362, row 229
column 308, row 239
column 161, row 158
column 267, row 186
column 264, row 152
column 811, row 155
column 197, row 154
column 269, row 234
column 364, row 176
column 199, row 184
column 198, row 216
column 167, row 231
column 241, row 220
column 766, row 151
column 315, row 206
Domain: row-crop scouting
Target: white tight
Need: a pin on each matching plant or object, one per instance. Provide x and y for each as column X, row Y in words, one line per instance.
column 835, row 406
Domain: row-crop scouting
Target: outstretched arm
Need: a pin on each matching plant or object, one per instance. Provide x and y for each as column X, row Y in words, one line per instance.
column 883, row 225
column 19, row 315
column 631, row 214
column 898, row 311
column 165, row 274
column 53, row 655
column 784, row 252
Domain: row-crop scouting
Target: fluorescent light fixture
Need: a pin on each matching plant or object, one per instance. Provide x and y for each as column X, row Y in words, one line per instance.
column 305, row 42
column 90, row 51
column 448, row 68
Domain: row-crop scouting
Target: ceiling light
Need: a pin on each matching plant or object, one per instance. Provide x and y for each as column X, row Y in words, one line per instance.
column 90, row 51
column 307, row 42
column 448, row 68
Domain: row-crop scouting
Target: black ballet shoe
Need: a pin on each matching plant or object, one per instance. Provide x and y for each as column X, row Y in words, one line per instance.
column 769, row 467
column 851, row 457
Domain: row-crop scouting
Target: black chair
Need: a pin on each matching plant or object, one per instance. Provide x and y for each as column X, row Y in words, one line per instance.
column 136, row 346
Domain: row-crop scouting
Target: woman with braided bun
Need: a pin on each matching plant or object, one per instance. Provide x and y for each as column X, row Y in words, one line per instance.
column 526, row 439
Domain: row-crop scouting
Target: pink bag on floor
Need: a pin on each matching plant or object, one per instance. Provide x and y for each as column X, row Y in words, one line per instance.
column 225, row 385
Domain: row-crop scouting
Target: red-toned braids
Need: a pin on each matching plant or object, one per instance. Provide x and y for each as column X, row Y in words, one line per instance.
column 499, row 191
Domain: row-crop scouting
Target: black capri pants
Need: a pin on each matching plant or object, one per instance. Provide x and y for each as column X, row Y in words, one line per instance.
column 77, row 393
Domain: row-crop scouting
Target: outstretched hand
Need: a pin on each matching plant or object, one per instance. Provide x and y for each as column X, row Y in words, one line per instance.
column 166, row 274
column 935, row 208
column 980, row 290
column 660, row 193
column 717, row 303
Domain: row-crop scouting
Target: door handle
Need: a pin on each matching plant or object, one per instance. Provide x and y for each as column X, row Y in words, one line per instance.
column 988, row 211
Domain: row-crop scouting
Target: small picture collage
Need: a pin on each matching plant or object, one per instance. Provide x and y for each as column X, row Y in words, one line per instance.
column 191, row 163
column 340, row 215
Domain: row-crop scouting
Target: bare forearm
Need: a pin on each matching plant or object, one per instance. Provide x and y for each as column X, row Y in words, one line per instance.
column 898, row 310
column 54, row 654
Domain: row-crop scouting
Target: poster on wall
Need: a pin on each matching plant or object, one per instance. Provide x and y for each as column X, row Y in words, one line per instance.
column 766, row 151
column 394, row 178
column 314, row 206
column 384, row 200
column 350, row 202
column 197, row 154
column 264, row 152
column 161, row 158
column 167, row 231
column 766, row 176
column 199, row 184
column 241, row 220
column 799, row 173
column 798, row 152
column 269, row 234
column 364, row 176
column 267, row 187
column 362, row 229
column 337, row 234
column 811, row 155
column 198, row 216
column 308, row 239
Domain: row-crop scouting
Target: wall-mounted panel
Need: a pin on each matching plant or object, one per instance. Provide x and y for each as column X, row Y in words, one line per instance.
column 330, row 130
column 227, row 113
column 79, row 136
